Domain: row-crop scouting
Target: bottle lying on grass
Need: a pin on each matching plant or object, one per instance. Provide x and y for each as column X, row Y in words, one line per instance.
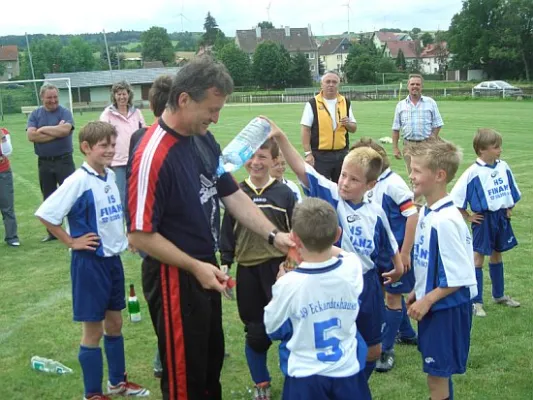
column 47, row 365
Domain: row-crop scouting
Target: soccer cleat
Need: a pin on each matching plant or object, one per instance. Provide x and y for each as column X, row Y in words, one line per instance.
column 507, row 301
column 478, row 310
column 405, row 340
column 127, row 388
column 385, row 362
column 97, row 397
column 262, row 391
column 158, row 373
column 15, row 243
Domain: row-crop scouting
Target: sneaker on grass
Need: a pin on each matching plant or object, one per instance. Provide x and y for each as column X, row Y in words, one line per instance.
column 507, row 301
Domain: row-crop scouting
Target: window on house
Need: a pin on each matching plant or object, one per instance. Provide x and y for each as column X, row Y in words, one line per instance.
column 312, row 67
column 339, row 57
column 9, row 65
column 311, row 56
column 339, row 67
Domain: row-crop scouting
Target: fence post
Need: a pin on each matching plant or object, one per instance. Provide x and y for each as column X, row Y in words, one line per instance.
column 282, row 98
column 250, row 99
column 444, row 92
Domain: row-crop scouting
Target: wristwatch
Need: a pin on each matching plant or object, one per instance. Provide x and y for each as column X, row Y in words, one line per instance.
column 272, row 236
column 306, row 153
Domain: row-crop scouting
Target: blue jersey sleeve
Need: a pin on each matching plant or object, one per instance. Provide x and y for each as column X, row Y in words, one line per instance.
column 321, row 187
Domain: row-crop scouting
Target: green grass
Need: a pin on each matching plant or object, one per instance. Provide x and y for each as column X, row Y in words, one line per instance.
column 36, row 317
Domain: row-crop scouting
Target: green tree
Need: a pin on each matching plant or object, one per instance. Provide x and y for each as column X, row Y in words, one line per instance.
column 2, row 69
column 400, row 61
column 76, row 56
column 518, row 21
column 212, row 31
column 186, row 42
column 45, row 58
column 427, row 38
column 156, row 46
column 237, row 62
column 299, row 72
column 415, row 32
column 363, row 63
column 265, row 25
column 270, row 65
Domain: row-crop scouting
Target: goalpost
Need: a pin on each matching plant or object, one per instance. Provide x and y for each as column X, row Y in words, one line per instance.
column 23, row 96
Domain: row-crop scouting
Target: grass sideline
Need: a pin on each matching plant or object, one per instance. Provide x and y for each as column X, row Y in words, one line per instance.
column 37, row 317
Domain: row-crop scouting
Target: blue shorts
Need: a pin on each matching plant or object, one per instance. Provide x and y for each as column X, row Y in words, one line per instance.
column 406, row 283
column 318, row 387
column 444, row 340
column 371, row 318
column 494, row 233
column 97, row 286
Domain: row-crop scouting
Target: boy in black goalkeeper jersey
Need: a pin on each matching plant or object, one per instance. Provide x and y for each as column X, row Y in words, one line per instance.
column 257, row 261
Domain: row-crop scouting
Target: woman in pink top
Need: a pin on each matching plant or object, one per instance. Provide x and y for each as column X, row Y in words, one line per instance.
column 126, row 119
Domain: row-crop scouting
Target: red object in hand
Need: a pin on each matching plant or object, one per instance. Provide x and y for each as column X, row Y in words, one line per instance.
column 231, row 283
column 293, row 259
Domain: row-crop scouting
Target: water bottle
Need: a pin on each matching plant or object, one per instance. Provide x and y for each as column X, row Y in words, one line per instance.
column 134, row 308
column 46, row 365
column 243, row 146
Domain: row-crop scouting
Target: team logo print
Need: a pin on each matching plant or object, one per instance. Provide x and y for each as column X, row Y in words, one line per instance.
column 429, row 360
column 352, row 218
column 494, row 174
column 107, row 188
column 422, row 225
column 370, row 194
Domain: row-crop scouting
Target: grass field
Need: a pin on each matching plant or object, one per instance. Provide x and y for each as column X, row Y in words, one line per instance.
column 36, row 317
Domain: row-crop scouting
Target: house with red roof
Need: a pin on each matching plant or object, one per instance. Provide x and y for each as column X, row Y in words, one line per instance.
column 9, row 58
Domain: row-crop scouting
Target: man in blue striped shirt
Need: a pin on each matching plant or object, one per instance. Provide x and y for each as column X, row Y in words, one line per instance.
column 417, row 117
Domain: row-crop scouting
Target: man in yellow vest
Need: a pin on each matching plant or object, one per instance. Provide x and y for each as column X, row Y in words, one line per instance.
column 326, row 121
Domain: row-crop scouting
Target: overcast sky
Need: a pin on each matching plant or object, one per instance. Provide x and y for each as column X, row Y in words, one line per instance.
column 325, row 17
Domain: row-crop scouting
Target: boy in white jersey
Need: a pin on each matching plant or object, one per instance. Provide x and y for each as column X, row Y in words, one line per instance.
column 278, row 170
column 445, row 281
column 365, row 229
column 394, row 196
column 313, row 312
column 489, row 188
column 90, row 200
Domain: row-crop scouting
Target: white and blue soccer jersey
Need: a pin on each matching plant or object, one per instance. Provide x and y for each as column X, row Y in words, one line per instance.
column 443, row 255
column 486, row 187
column 313, row 312
column 394, row 196
column 365, row 228
column 91, row 203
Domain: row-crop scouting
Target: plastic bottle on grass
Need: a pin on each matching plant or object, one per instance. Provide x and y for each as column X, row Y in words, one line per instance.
column 243, row 146
column 47, row 365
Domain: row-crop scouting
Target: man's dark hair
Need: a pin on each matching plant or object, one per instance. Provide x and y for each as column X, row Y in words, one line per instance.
column 196, row 77
column 158, row 94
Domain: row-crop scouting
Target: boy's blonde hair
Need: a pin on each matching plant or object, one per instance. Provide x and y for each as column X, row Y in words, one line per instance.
column 96, row 131
column 368, row 159
column 369, row 142
column 486, row 137
column 438, row 154
column 315, row 222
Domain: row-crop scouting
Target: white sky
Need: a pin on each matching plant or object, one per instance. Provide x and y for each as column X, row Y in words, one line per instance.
column 325, row 17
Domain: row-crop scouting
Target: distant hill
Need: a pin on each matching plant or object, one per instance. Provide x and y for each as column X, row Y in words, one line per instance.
column 120, row 38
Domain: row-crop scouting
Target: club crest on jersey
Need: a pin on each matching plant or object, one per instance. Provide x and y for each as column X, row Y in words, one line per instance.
column 352, row 218
column 370, row 194
column 494, row 174
column 107, row 188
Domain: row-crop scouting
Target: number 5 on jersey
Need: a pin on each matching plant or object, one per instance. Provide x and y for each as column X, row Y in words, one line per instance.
column 325, row 341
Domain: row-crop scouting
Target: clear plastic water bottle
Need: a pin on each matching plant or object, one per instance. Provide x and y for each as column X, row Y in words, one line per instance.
column 244, row 145
column 47, row 365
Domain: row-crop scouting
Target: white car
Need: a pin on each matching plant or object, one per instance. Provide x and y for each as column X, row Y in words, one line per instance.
column 496, row 88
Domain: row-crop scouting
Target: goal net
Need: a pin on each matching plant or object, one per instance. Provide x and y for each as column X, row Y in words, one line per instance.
column 23, row 96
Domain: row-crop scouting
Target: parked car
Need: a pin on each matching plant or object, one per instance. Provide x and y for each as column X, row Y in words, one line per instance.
column 496, row 88
column 14, row 86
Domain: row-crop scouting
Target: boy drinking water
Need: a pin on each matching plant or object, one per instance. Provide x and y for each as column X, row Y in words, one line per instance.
column 313, row 312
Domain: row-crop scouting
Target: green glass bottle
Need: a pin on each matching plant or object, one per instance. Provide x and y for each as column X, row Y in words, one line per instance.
column 134, row 308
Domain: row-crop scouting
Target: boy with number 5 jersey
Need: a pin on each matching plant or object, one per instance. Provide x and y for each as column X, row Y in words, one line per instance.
column 313, row 312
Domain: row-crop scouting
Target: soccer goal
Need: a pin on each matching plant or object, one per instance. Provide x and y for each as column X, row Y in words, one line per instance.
column 23, row 96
